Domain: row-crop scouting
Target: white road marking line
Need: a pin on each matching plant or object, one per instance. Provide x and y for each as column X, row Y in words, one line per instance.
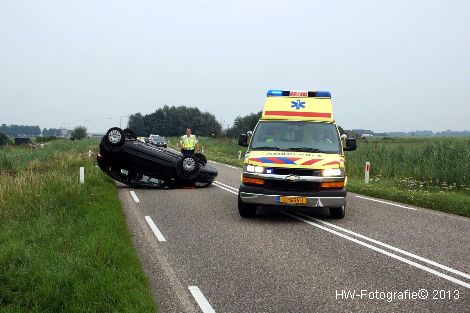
column 134, row 196
column 155, row 229
column 385, row 202
column 226, row 189
column 201, row 300
column 446, row 268
column 226, row 186
column 388, row 246
column 417, row 265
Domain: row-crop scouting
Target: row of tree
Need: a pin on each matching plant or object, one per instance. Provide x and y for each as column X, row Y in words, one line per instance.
column 52, row 132
column 172, row 121
column 166, row 121
column 242, row 124
column 20, row 130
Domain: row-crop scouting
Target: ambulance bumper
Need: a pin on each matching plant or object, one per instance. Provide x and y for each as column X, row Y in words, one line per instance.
column 317, row 199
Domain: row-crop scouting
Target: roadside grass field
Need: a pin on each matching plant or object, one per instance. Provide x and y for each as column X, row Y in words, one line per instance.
column 65, row 247
column 428, row 172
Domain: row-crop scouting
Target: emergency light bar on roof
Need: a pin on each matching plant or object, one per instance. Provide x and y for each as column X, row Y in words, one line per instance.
column 299, row 93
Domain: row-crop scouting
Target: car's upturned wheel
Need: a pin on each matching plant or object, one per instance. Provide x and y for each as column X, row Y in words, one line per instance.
column 246, row 210
column 202, row 158
column 188, row 167
column 115, row 136
column 338, row 213
column 130, row 133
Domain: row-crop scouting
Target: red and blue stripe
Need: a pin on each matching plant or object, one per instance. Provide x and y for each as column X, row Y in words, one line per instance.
column 275, row 160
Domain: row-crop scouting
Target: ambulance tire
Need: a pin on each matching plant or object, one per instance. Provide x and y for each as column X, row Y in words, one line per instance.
column 246, row 210
column 338, row 213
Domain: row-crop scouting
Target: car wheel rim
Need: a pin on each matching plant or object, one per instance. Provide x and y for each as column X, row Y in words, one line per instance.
column 114, row 136
column 189, row 164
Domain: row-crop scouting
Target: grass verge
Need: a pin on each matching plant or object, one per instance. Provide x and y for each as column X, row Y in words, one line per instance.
column 450, row 201
column 65, row 246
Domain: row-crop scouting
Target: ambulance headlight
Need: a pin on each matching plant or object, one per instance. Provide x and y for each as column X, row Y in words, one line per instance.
column 254, row 169
column 332, row 172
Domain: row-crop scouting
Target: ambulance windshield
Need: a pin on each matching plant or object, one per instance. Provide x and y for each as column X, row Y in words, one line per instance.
column 299, row 136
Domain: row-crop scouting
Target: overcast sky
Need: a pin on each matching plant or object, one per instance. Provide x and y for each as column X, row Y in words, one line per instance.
column 390, row 66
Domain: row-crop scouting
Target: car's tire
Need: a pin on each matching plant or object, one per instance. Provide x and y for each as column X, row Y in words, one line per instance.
column 188, row 167
column 115, row 136
column 338, row 213
column 246, row 210
column 130, row 133
column 202, row 158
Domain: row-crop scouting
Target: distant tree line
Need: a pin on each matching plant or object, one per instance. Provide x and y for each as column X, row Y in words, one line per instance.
column 20, row 130
column 172, row 121
column 242, row 124
column 51, row 132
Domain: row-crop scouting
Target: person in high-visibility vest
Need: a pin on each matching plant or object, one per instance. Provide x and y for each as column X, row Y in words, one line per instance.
column 188, row 143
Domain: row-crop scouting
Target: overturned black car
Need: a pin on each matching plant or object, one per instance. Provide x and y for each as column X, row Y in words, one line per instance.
column 138, row 164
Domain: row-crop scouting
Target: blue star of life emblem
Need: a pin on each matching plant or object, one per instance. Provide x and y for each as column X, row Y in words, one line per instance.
column 297, row 104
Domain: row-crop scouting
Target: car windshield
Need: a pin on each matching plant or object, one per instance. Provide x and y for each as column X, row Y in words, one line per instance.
column 296, row 136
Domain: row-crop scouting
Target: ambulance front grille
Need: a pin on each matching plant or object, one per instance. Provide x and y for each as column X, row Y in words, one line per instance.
column 294, row 186
column 296, row 171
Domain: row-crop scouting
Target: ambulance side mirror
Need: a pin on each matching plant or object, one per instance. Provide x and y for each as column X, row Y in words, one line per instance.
column 243, row 140
column 351, row 144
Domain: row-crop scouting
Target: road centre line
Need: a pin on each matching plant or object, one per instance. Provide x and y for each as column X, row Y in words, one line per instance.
column 134, row 196
column 226, row 189
column 155, row 229
column 446, row 268
column 226, row 186
column 385, row 202
column 201, row 300
column 430, row 270
column 397, row 257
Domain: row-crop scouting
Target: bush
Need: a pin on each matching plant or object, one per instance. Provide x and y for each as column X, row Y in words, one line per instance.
column 79, row 132
column 4, row 140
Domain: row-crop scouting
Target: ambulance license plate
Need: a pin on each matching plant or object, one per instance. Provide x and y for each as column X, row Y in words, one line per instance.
column 292, row 200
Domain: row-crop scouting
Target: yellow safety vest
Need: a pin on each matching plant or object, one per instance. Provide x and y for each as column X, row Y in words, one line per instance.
column 188, row 144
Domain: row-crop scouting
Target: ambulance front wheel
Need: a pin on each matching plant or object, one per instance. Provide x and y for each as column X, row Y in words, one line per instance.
column 246, row 210
column 338, row 213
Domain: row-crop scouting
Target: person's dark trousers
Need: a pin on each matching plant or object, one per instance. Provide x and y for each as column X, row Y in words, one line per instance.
column 187, row 152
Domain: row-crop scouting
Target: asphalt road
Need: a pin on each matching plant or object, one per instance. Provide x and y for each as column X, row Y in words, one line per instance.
column 201, row 256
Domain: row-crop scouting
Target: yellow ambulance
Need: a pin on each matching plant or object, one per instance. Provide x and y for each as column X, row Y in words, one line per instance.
column 295, row 156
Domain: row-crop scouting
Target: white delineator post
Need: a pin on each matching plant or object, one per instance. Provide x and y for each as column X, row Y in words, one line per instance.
column 202, row 150
column 82, row 175
column 366, row 173
column 239, row 154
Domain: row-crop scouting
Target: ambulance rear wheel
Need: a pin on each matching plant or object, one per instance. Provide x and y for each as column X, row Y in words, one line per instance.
column 246, row 210
column 338, row 213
